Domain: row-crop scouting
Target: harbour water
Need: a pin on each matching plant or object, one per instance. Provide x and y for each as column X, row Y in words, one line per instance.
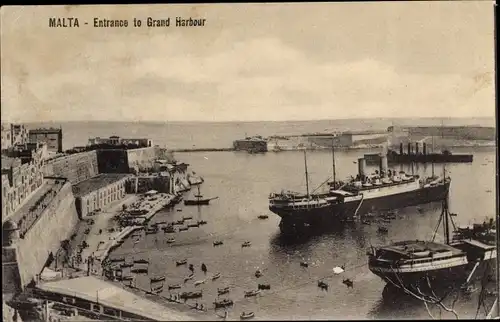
column 243, row 182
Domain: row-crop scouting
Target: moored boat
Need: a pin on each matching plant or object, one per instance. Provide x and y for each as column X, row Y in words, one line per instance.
column 246, row 244
column 139, row 270
column 181, row 262
column 174, row 287
column 199, row 200
column 156, row 279
column 246, row 316
column 223, row 303
column 409, row 263
column 221, row 291
column 252, row 293
column 191, row 295
column 383, row 190
column 216, row 276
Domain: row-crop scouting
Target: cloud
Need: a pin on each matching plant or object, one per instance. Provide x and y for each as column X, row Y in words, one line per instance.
column 167, row 76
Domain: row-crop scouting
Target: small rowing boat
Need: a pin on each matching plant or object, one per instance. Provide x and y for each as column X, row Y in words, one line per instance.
column 155, row 279
column 223, row 303
column 218, row 242
column 181, row 262
column 221, row 291
column 252, row 293
column 191, row 295
column 190, row 277
column 199, row 282
column 174, row 287
column 246, row 316
column 170, row 240
column 216, row 276
column 246, row 244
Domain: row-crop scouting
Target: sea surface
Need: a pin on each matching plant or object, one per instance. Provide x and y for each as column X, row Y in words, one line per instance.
column 243, row 182
column 183, row 135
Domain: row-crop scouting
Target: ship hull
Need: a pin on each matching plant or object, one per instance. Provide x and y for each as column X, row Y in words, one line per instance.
column 444, row 277
column 196, row 202
column 294, row 220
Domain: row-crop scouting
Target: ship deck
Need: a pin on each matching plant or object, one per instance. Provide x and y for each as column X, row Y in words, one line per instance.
column 407, row 247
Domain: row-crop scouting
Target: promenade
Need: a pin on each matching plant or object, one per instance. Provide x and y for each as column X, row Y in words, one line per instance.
column 106, row 233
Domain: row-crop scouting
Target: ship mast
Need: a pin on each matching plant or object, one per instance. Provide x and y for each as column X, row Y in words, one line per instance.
column 307, row 175
column 446, row 224
column 432, row 157
column 333, row 161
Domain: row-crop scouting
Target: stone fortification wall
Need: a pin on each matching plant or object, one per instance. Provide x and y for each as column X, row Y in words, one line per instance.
column 26, row 257
column 75, row 167
column 112, row 161
column 142, row 159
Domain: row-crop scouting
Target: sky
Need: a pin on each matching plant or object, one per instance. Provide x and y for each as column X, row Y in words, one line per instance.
column 250, row 62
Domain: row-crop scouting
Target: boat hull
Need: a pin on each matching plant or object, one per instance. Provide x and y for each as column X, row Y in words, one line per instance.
column 196, row 202
column 293, row 220
column 443, row 277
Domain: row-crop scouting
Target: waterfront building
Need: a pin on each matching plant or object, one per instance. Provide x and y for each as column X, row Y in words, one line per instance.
column 116, row 140
column 21, row 177
column 109, row 301
column 13, row 134
column 6, row 136
column 19, row 134
column 51, row 136
column 98, row 192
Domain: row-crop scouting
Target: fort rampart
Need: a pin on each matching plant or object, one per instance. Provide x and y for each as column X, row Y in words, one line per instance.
column 27, row 255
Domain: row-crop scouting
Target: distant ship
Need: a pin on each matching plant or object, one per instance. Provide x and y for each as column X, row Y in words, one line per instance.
column 383, row 190
column 408, row 264
column 394, row 157
column 199, row 200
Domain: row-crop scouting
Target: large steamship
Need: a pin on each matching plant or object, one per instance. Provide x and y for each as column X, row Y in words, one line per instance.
column 384, row 190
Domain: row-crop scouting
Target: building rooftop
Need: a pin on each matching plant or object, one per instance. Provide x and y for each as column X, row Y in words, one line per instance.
column 100, row 181
column 89, row 288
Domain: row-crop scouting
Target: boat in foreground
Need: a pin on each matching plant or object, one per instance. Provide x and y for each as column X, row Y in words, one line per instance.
column 413, row 264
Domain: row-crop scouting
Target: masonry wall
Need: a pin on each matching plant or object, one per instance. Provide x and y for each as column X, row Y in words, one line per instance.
column 112, row 161
column 45, row 236
column 141, row 159
column 76, row 167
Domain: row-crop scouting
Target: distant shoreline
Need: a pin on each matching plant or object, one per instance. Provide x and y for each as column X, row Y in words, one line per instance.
column 381, row 119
